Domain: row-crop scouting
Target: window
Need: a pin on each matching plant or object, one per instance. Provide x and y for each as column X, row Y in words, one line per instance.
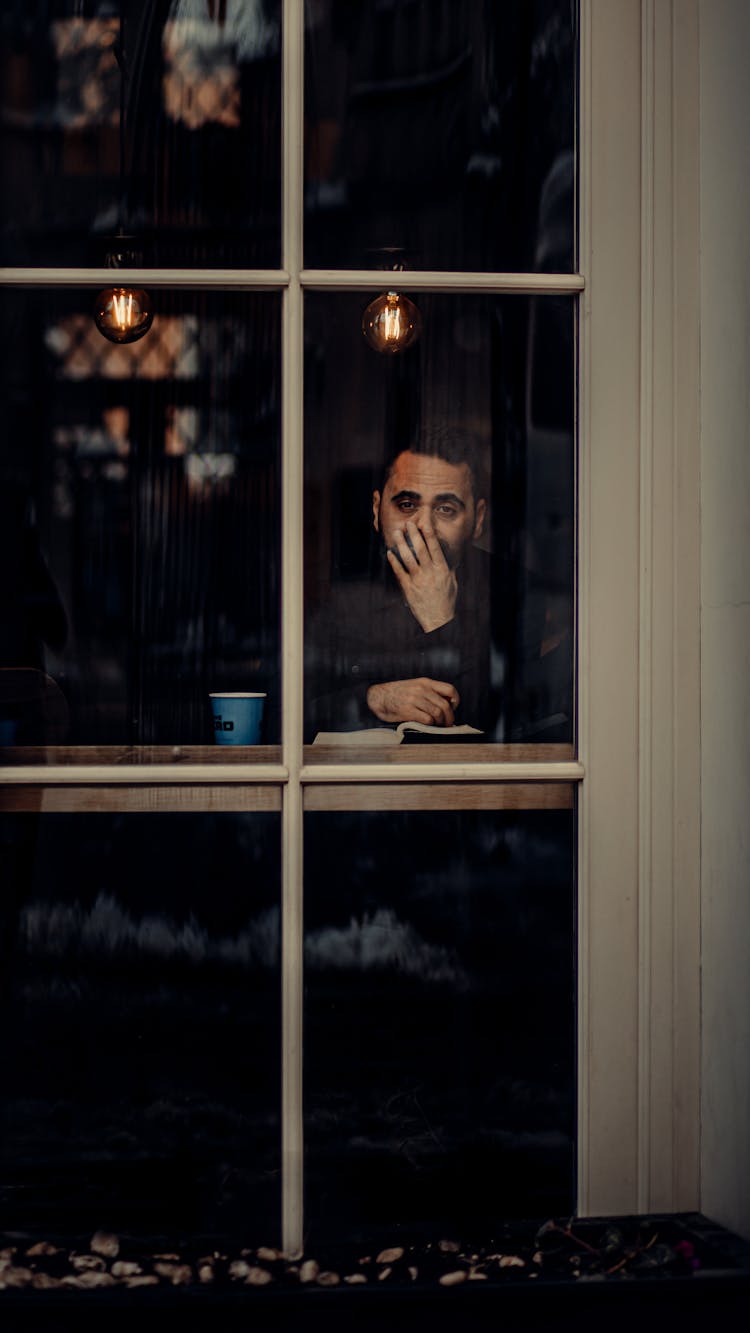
column 148, row 460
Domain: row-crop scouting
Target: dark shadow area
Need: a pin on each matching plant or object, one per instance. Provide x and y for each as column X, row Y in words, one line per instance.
column 439, row 1021
column 141, row 1055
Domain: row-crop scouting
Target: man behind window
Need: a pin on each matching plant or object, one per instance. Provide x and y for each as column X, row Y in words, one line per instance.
column 416, row 646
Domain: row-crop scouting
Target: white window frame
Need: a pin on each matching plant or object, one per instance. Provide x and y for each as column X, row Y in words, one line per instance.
column 639, row 690
column 638, row 1033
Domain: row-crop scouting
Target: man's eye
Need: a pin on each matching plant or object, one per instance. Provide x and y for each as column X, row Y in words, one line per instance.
column 406, row 506
column 446, row 511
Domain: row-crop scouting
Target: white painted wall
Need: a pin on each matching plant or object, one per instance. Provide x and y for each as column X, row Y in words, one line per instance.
column 725, row 609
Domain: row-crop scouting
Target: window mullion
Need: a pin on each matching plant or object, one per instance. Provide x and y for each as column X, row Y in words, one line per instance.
column 292, row 569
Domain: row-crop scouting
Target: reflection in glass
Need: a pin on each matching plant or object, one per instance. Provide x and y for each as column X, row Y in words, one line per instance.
column 140, row 506
column 439, row 1020
column 473, row 427
column 195, row 174
column 444, row 129
column 140, row 1085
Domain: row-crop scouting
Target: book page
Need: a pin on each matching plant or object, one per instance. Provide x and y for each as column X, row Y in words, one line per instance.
column 376, row 736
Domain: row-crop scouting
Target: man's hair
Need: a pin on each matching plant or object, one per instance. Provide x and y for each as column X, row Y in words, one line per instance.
column 453, row 444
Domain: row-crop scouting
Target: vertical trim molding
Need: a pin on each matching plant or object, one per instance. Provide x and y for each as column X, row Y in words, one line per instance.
column 609, row 438
column 639, row 922
column 669, row 640
column 646, row 756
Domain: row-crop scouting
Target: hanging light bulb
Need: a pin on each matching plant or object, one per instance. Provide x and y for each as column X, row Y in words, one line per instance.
column 391, row 323
column 123, row 314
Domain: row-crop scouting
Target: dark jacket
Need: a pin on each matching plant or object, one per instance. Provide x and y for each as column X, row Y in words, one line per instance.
column 366, row 634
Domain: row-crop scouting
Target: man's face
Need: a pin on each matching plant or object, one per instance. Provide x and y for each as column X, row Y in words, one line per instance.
column 423, row 488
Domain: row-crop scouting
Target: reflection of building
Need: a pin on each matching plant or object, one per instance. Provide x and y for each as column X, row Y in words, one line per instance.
column 416, row 118
column 145, row 523
column 199, row 97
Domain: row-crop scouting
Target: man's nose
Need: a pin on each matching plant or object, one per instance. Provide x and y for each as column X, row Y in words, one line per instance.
column 420, row 514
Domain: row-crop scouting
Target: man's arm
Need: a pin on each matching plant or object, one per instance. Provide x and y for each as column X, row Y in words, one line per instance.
column 370, row 662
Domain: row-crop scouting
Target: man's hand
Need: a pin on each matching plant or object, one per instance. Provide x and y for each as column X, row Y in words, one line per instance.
column 426, row 579
column 419, row 700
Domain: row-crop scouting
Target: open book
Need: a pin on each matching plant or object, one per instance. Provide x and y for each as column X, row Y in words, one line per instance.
column 395, row 735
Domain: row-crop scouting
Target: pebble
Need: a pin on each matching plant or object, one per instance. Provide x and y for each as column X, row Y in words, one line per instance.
column 106, row 1243
column 17, row 1276
column 512, row 1261
column 239, row 1268
column 453, row 1279
column 328, row 1279
column 449, row 1246
column 148, row 1280
column 385, row 1273
column 390, row 1256
column 537, row 1257
column 355, row 1279
column 84, row 1262
column 90, row 1278
column 125, row 1268
column 266, row 1253
column 475, row 1276
column 205, row 1273
column 178, row 1274
column 309, row 1270
column 413, row 1273
column 43, row 1281
column 258, row 1277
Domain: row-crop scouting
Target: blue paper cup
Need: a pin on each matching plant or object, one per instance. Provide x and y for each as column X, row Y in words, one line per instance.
column 237, row 718
column 8, row 729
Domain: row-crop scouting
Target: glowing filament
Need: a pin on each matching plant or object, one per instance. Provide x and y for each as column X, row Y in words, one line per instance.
column 122, row 303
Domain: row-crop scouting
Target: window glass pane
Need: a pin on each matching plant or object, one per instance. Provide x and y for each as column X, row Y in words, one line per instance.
column 443, row 129
column 141, row 1068
column 183, row 155
column 477, row 422
column 140, row 515
column 439, row 1020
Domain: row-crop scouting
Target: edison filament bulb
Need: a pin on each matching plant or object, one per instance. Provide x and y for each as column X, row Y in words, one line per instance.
column 391, row 323
column 123, row 314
